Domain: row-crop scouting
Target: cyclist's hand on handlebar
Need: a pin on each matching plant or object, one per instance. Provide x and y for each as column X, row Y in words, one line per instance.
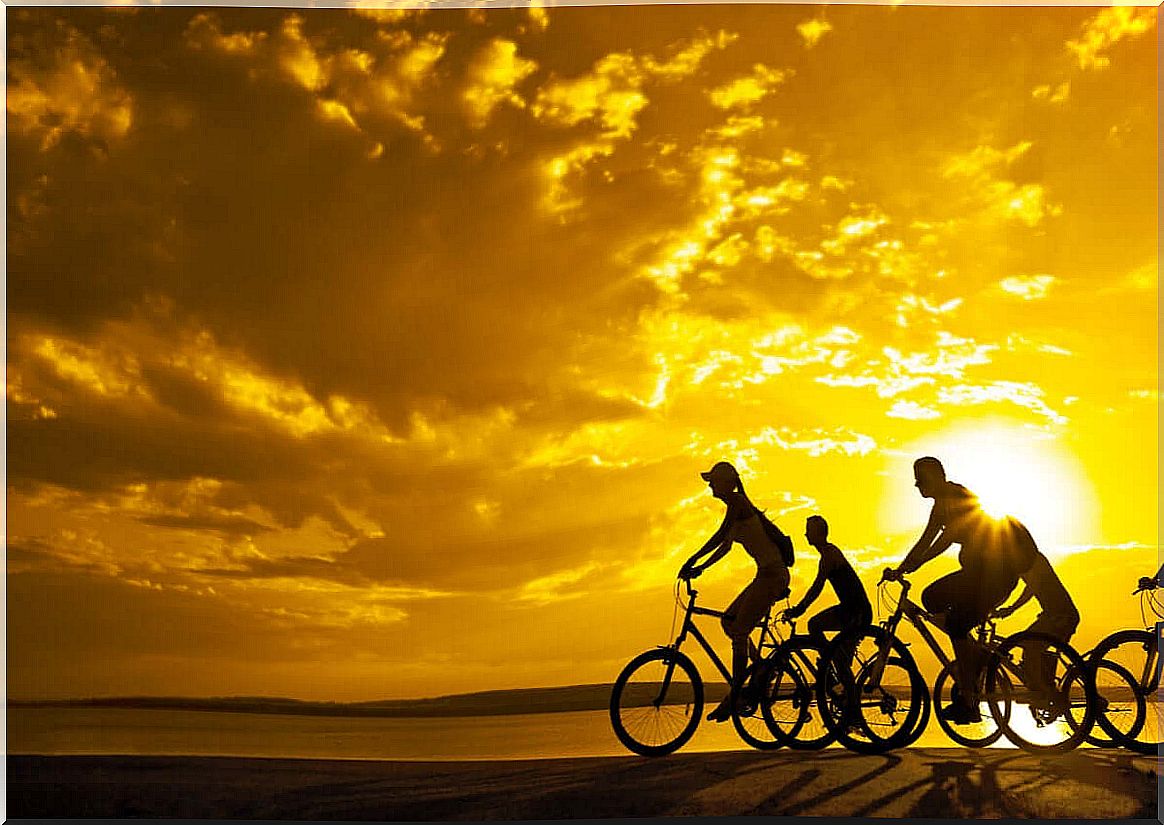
column 1147, row 583
column 891, row 574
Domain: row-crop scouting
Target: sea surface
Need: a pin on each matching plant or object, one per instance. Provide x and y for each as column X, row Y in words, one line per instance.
column 56, row 731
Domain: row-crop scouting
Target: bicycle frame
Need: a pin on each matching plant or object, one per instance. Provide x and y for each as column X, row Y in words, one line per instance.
column 917, row 617
column 1153, row 664
column 690, row 628
column 920, row 619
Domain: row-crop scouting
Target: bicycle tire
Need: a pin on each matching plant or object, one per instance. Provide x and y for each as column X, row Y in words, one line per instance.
column 922, row 721
column 1066, row 694
column 675, row 722
column 750, row 723
column 978, row 735
column 863, row 735
column 1148, row 739
column 1121, row 711
column 797, row 698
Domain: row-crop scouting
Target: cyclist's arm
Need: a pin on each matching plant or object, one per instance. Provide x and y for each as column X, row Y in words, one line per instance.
column 813, row 590
column 1023, row 598
column 717, row 546
column 926, row 547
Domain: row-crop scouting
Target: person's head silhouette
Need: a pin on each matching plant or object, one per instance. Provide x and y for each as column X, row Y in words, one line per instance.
column 722, row 478
column 929, row 476
column 816, row 530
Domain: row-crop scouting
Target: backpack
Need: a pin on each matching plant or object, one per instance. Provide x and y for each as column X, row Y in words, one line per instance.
column 777, row 537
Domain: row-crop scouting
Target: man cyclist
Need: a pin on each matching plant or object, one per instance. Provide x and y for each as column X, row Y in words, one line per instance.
column 853, row 613
column 1059, row 618
column 992, row 554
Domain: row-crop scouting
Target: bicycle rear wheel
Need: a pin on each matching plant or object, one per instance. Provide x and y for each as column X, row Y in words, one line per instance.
column 656, row 702
column 1050, row 689
column 876, row 708
column 1137, row 652
column 975, row 735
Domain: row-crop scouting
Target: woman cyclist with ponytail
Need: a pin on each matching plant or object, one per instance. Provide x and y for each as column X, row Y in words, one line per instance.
column 744, row 523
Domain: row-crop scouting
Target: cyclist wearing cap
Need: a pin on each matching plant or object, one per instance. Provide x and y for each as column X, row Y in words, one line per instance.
column 992, row 555
column 742, row 523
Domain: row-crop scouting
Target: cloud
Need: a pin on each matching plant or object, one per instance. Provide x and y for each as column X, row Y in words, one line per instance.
column 812, row 31
column 1107, row 28
column 989, row 178
column 912, row 411
column 59, row 84
column 612, row 93
column 492, row 77
column 1028, row 287
column 1022, row 394
column 1052, row 94
column 817, row 443
column 745, row 92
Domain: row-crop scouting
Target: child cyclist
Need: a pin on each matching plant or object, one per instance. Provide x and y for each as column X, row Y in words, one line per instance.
column 853, row 613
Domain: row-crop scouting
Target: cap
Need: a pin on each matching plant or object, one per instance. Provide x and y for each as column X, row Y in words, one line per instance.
column 722, row 470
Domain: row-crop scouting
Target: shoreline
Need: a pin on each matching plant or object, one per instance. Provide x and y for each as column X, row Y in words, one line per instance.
column 927, row 782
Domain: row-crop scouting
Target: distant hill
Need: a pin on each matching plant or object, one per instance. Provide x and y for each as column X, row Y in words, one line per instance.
column 488, row 703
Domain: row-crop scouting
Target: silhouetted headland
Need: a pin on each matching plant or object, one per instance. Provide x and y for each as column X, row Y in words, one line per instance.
column 485, row 703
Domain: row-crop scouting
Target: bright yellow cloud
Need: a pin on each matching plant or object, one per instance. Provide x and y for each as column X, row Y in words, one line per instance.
column 204, row 32
column 78, row 93
column 1028, row 287
column 745, row 92
column 107, row 371
column 1107, row 28
column 493, row 74
column 912, row 411
column 297, row 57
column 812, row 31
column 1052, row 94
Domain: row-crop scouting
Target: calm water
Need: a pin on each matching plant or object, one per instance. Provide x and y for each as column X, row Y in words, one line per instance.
column 195, row 733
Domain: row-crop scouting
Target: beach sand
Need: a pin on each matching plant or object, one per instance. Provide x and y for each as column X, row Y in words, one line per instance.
column 927, row 782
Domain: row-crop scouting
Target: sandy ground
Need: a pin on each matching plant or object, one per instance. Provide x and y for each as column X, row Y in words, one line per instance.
column 934, row 782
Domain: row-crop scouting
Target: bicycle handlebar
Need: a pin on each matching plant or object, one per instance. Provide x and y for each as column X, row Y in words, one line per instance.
column 1147, row 583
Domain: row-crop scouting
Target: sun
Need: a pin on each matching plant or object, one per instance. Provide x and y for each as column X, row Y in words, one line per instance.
column 1014, row 471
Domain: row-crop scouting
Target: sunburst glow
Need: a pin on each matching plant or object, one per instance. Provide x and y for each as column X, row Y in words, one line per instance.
column 1015, row 472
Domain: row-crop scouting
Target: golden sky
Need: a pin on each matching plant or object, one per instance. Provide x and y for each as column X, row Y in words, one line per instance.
column 369, row 354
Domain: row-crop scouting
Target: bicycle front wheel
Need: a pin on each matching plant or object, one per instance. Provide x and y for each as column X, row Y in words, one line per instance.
column 1121, row 710
column 748, row 716
column 1137, row 652
column 981, row 734
column 656, row 702
column 1050, row 689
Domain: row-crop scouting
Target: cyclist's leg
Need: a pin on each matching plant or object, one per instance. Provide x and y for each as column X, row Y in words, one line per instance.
column 1039, row 663
column 741, row 618
column 831, row 618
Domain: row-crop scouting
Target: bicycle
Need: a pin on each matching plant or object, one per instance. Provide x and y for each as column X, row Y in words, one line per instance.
column 788, row 694
column 866, row 714
column 656, row 703
column 1133, row 657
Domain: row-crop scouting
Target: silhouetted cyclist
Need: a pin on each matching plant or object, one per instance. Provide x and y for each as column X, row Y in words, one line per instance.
column 993, row 553
column 742, row 523
column 1058, row 619
column 853, row 613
